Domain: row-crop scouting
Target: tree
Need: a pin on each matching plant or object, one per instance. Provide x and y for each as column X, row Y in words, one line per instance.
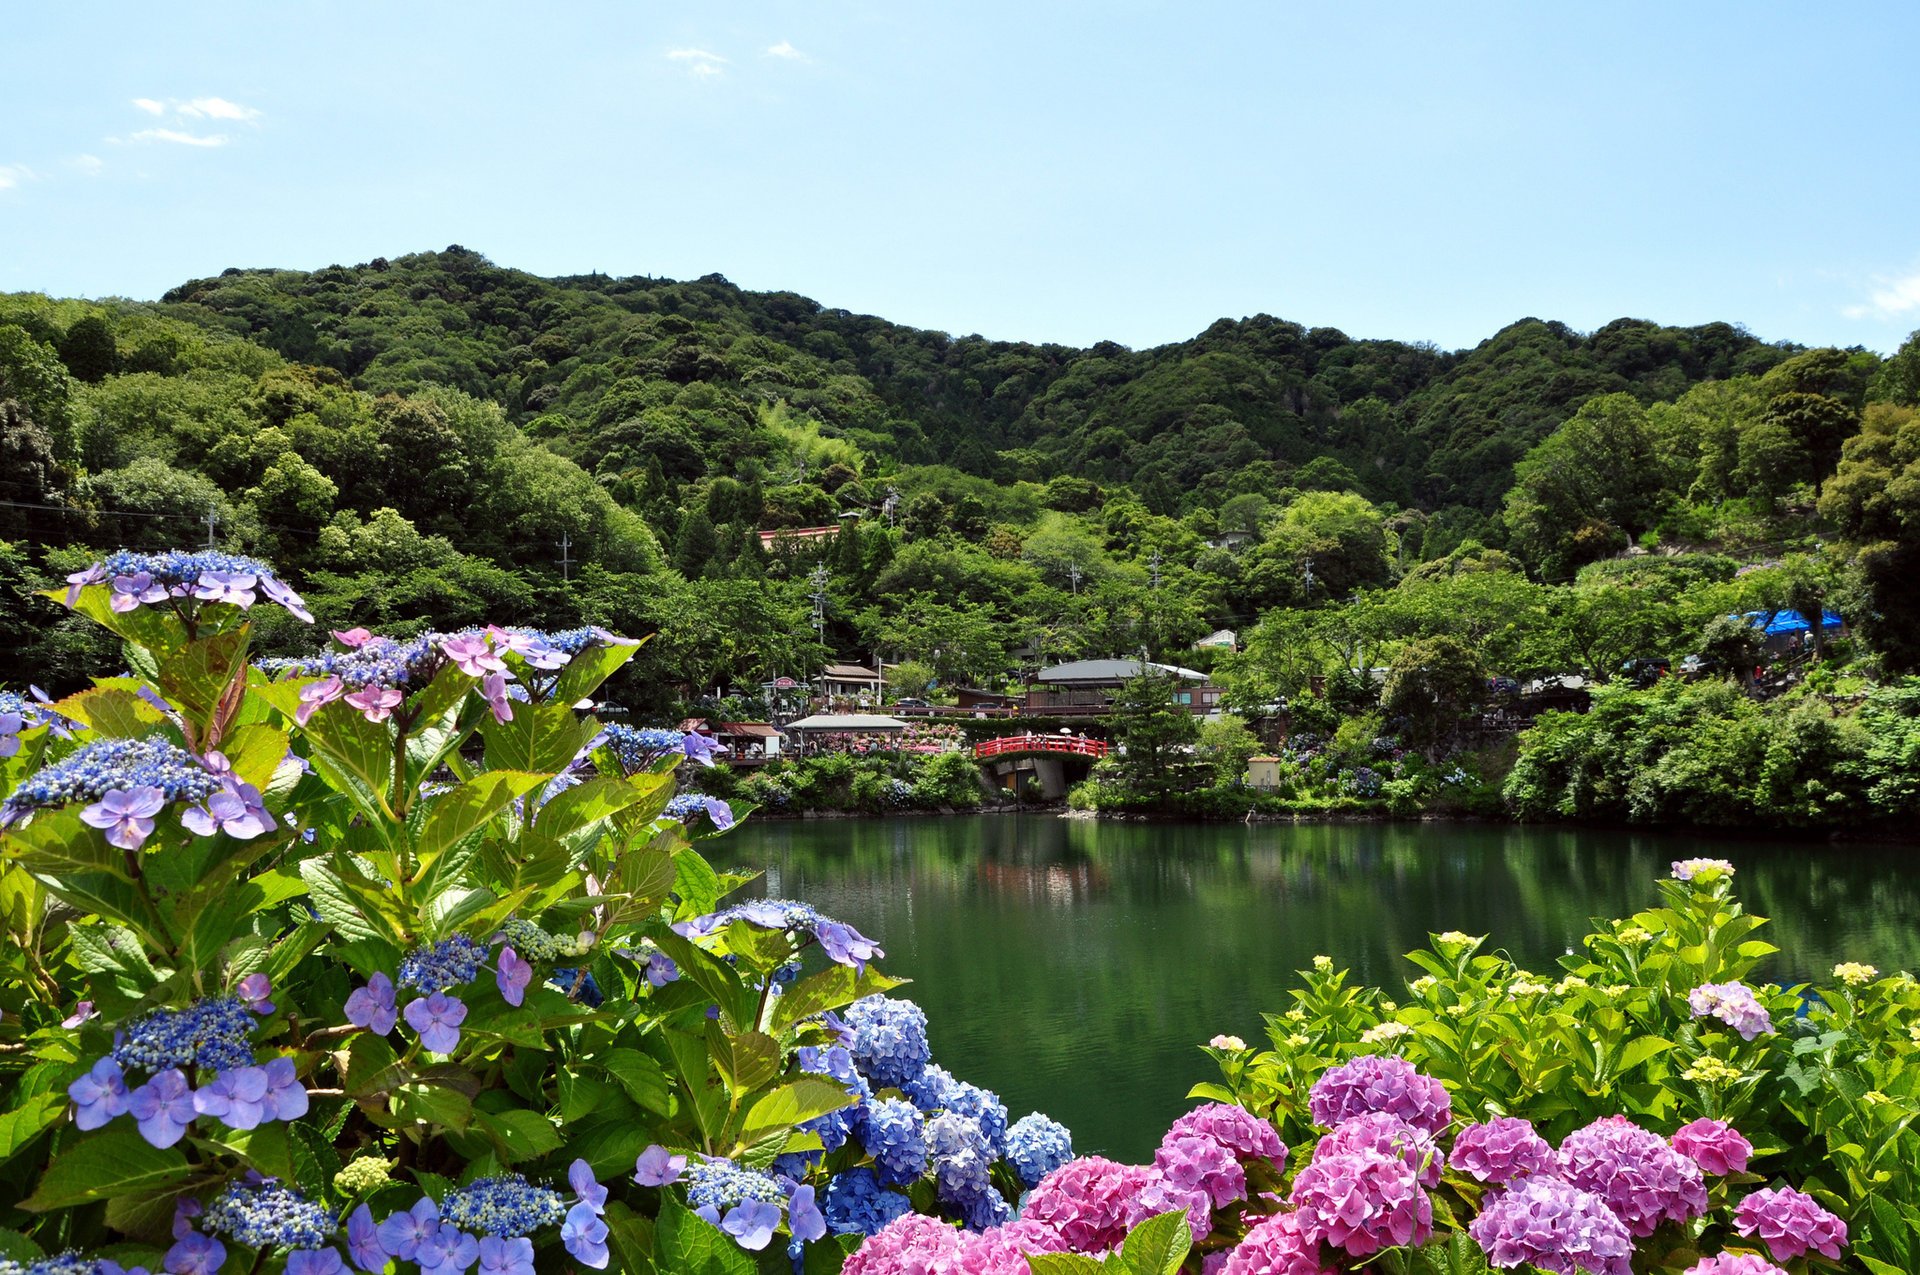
column 695, row 546
column 88, row 350
column 1589, row 488
column 1431, row 684
column 1874, row 500
column 911, row 678
column 1225, row 743
column 1153, row 733
column 27, row 461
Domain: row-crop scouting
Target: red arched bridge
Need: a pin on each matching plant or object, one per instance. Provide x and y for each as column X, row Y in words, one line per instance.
column 1012, row 745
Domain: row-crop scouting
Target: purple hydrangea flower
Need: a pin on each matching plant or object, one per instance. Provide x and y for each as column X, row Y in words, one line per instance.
column 1642, row 1179
column 256, row 990
column 1501, row 1150
column 512, row 977
column 315, row 695
column 655, row 1167
column 226, row 812
column 699, row 748
column 585, row 1236
column 1688, row 869
column 236, row 1098
column 1087, row 1203
column 1380, row 1082
column 232, row 587
column 437, row 1018
column 1388, row 1135
column 500, row 1256
column 1362, row 1202
column 371, row 1007
column 661, row 970
column 1192, row 1163
column 99, row 1096
column 1790, row 1223
column 804, row 1219
column 402, row 1234
column 315, row 1261
column 286, row 597
column 1733, row 1004
column 376, row 703
column 448, row 1251
column 164, row 1107
column 1549, row 1225
column 132, row 591
column 493, row 688
column 473, row 655
column 1717, row 1147
column 751, row 1223
column 1734, row 1264
column 196, row 1254
column 1240, row 1131
column 363, row 1241
column 286, row 1097
column 126, row 816
column 1037, row 1145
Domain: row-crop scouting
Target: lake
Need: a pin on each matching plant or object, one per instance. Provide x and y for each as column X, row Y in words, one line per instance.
column 1073, row 966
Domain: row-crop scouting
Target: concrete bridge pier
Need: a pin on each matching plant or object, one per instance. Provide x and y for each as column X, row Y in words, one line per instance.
column 1009, row 774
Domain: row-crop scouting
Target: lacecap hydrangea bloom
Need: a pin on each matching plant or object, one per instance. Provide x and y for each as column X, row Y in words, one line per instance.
column 1276, row 1246
column 843, row 944
column 178, row 575
column 1501, row 1150
column 452, row 962
column 507, row 1206
column 689, row 806
column 1717, row 1147
column 1380, row 1082
column 1642, row 1179
column 716, row 1184
column 1701, row 869
column 58, row 1264
column 214, row 1034
column 1389, row 1135
column 1790, row 1223
column 1551, row 1226
column 1362, row 1202
column 267, row 1215
column 125, row 766
column 888, row 1040
column 1733, row 1004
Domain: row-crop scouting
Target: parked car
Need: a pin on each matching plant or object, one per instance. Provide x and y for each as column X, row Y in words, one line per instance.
column 910, row 702
column 1644, row 671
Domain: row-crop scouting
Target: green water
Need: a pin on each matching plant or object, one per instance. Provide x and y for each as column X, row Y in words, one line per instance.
column 1074, row 966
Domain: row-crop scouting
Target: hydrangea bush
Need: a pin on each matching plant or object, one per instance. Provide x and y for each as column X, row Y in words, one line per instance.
column 392, row 958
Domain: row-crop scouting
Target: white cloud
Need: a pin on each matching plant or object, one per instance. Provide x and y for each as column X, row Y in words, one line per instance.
column 12, row 175
column 88, row 164
column 215, row 108
column 177, row 138
column 1891, row 298
column 785, row 49
column 150, row 106
column 698, row 61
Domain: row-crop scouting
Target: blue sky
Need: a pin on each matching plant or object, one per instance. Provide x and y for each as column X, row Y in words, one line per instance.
column 1047, row 171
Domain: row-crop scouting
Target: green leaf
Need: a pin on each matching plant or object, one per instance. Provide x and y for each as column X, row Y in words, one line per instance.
column 793, row 1103
column 459, row 813
column 829, row 989
column 20, row 1127
column 116, row 711
column 746, row 1061
column 643, row 1078
column 116, row 1162
column 1070, row 1264
column 157, row 629
column 587, row 670
column 543, row 738
column 688, row 1244
column 199, row 677
column 433, row 1104
column 341, row 905
column 1640, row 1049
column 355, row 757
column 1158, row 1245
column 519, row 1134
column 587, row 804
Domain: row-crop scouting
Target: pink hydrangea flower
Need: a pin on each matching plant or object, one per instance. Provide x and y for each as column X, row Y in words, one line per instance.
column 1790, row 1223
column 1240, row 1131
column 1380, row 1082
column 1735, row 1264
column 1361, row 1202
column 1276, row 1246
column 1733, row 1004
column 1087, row 1202
column 1501, row 1150
column 1158, row 1195
column 911, row 1242
column 1387, row 1135
column 1642, row 1179
column 1717, row 1147
column 1004, row 1249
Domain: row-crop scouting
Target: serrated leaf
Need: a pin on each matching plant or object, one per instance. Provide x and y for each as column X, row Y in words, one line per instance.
column 592, row 666
column 341, row 905
column 746, row 1061
column 197, row 677
column 643, row 1078
column 115, row 711
column 518, row 1134
column 688, row 1244
column 1158, row 1245
column 796, row 1102
column 828, row 990
column 465, row 809
column 23, row 1125
column 116, row 1162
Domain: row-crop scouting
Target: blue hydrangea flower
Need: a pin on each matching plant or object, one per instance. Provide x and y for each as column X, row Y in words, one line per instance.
column 452, row 962
column 507, row 1206
column 99, row 1096
column 857, row 1203
column 637, row 748
column 113, row 765
column 215, row 1034
column 888, row 1040
column 59, row 1264
column 585, row 1237
column 894, row 1134
column 836, row 1126
column 269, row 1215
column 689, row 806
column 1036, row 1146
column 962, row 1161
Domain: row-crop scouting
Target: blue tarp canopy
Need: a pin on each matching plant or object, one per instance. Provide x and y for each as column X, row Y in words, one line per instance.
column 1781, row 623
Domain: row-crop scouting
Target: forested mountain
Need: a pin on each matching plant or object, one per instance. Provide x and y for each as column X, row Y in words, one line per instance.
column 436, row 439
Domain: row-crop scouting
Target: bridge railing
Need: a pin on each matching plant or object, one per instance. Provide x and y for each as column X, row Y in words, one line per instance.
column 1075, row 745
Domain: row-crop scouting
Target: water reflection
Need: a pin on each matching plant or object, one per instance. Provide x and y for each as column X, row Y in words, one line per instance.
column 1073, row 966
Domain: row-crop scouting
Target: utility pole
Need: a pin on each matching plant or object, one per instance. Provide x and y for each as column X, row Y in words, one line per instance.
column 1073, row 574
column 566, row 562
column 1309, row 583
column 891, row 503
column 1154, row 565
column 212, row 520
column 819, row 595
